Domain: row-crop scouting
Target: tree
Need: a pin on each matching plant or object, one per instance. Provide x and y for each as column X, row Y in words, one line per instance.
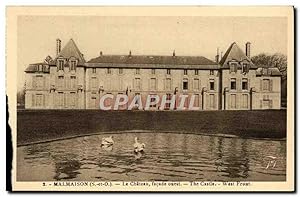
column 21, row 96
column 276, row 60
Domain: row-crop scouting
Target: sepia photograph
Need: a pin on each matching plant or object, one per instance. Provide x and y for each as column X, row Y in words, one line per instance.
column 132, row 99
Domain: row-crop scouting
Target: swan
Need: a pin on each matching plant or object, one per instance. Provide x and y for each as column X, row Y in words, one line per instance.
column 138, row 147
column 271, row 161
column 107, row 141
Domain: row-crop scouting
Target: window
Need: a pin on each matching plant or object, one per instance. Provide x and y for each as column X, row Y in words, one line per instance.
column 93, row 103
column 73, row 65
column 138, row 96
column 212, row 85
column 108, row 71
column 185, row 71
column 41, row 68
column 60, row 98
column 233, row 67
column 196, row 84
column 233, row 101
column 152, row 83
column 244, row 84
column 212, row 101
column 60, row 64
column 168, row 71
column 39, row 81
column 120, row 71
column 233, row 84
column 197, row 100
column 121, row 84
column 152, row 99
column 185, row 84
column 94, row 82
column 73, row 82
column 168, row 84
column 245, row 68
column 137, row 84
column 137, row 71
column 39, row 100
column 72, row 99
column 266, row 84
column 153, row 71
column 211, row 72
column 168, row 99
column 245, row 101
column 94, row 70
column 196, row 72
column 61, row 81
column 265, row 97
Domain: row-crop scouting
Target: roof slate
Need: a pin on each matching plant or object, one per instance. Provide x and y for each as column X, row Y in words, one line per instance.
column 71, row 50
column 268, row 72
column 35, row 68
column 154, row 60
column 234, row 52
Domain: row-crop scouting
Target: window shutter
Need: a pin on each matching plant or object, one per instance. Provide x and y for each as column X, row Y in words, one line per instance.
column 238, row 84
column 235, row 68
column 33, row 81
column 208, row 84
column 261, row 104
column 33, row 100
column 248, row 84
column 44, row 82
column 133, row 84
column 271, row 85
column 261, row 84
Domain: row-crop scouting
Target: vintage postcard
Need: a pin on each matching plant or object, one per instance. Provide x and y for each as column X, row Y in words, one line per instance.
column 175, row 99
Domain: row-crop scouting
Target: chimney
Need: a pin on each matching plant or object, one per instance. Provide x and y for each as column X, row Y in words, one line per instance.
column 101, row 53
column 130, row 53
column 58, row 46
column 174, row 53
column 248, row 44
column 217, row 56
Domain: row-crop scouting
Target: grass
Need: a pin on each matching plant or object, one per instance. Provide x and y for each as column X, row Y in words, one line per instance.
column 42, row 125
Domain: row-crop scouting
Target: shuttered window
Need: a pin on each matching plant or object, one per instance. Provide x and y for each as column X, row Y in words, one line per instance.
column 153, row 83
column 168, row 84
column 266, row 85
column 196, row 84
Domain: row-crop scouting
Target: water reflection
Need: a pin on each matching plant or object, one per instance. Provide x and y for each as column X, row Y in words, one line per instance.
column 167, row 156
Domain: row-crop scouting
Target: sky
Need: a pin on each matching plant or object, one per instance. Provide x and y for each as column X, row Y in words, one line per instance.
column 114, row 35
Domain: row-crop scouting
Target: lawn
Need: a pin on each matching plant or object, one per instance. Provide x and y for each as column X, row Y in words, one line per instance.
column 42, row 125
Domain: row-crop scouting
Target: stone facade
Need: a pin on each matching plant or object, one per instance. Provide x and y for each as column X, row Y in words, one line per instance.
column 233, row 83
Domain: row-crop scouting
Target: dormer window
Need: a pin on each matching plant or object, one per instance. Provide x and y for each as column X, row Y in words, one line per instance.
column 73, row 65
column 245, row 67
column 233, row 67
column 41, row 68
column 60, row 64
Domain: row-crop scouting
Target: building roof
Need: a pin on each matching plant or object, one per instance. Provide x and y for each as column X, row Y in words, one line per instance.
column 234, row 52
column 35, row 68
column 148, row 61
column 71, row 50
column 268, row 72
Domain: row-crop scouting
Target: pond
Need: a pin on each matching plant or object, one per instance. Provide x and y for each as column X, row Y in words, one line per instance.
column 167, row 157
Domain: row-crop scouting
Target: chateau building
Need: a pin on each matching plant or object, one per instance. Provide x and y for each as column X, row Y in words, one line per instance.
column 231, row 82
